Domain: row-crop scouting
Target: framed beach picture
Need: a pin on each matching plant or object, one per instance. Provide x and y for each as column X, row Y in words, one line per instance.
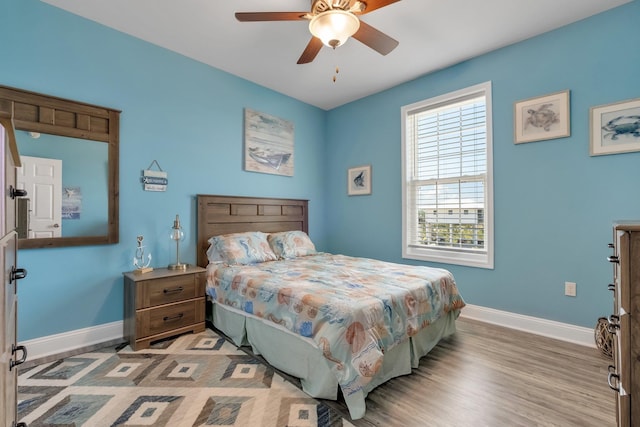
column 615, row 128
column 268, row 143
column 359, row 181
column 541, row 118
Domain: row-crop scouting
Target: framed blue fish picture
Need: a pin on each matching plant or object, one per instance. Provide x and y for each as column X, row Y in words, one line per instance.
column 542, row 118
column 359, row 180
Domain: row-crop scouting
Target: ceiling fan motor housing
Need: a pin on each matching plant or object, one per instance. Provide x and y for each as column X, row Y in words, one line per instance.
column 319, row 6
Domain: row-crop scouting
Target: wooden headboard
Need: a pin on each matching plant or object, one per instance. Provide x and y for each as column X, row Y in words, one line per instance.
column 235, row 214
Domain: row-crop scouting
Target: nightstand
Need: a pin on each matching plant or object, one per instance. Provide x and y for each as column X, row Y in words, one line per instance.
column 163, row 303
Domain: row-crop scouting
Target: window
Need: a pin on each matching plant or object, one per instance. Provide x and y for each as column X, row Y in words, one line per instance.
column 447, row 186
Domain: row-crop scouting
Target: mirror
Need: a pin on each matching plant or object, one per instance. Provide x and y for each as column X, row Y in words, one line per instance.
column 61, row 201
column 69, row 153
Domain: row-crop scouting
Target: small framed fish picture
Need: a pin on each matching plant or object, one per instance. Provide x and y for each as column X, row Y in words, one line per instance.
column 615, row 128
column 542, row 118
column 359, row 180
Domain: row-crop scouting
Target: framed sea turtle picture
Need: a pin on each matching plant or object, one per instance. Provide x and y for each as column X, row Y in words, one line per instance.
column 615, row 128
column 543, row 117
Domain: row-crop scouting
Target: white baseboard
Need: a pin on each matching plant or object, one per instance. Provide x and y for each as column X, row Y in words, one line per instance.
column 535, row 325
column 69, row 341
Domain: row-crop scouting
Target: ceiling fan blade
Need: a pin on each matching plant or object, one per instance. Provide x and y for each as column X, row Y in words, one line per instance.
column 270, row 16
column 375, row 4
column 375, row 39
column 310, row 52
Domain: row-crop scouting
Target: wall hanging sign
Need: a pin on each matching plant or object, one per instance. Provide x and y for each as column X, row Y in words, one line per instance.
column 154, row 180
column 541, row 118
column 615, row 128
column 359, row 180
column 268, row 144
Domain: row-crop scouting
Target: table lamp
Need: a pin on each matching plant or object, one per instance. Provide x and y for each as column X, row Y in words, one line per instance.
column 177, row 235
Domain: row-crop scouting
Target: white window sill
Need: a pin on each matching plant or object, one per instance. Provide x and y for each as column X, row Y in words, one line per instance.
column 468, row 259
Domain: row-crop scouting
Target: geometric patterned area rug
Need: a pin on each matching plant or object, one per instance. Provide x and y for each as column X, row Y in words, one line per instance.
column 193, row 380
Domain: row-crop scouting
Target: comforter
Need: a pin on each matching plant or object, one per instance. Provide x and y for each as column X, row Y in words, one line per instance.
column 354, row 309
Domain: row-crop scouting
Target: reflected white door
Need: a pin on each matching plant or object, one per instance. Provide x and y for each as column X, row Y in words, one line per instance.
column 42, row 178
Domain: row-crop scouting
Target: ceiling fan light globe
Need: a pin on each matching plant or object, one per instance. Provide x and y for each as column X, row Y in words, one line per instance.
column 334, row 27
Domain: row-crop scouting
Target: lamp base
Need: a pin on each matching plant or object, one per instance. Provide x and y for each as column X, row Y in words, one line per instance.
column 178, row 266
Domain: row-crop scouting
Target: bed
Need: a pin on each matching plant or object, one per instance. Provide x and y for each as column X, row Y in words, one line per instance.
column 333, row 321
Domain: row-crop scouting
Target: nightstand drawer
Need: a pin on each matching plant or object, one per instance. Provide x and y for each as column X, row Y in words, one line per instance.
column 156, row 292
column 157, row 320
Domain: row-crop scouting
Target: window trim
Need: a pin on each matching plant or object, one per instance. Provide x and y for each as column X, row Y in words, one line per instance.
column 448, row 255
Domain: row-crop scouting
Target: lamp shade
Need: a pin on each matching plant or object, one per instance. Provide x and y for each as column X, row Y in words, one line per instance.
column 334, row 27
column 176, row 233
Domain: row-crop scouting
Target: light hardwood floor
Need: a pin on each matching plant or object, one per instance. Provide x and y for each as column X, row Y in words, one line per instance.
column 487, row 375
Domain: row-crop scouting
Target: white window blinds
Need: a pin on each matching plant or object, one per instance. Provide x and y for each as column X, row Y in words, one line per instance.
column 446, row 164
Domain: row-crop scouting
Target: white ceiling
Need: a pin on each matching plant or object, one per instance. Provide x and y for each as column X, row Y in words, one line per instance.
column 433, row 34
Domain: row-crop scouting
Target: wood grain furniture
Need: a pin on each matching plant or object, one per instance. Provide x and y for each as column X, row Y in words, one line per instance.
column 303, row 355
column 624, row 323
column 11, row 354
column 163, row 303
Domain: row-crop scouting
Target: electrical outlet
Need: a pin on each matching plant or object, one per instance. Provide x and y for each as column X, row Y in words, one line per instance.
column 570, row 289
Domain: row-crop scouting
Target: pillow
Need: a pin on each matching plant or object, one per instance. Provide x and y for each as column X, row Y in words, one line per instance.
column 291, row 244
column 212, row 253
column 240, row 248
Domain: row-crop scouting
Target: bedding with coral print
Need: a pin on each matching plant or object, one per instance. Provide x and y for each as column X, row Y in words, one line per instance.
column 240, row 248
column 291, row 244
column 355, row 309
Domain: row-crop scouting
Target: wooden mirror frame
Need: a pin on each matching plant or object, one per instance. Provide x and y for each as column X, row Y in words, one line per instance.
column 34, row 112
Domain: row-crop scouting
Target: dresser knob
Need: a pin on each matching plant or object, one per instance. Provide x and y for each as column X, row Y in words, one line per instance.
column 16, row 192
column 613, row 259
column 170, row 291
column 172, row 318
column 611, row 377
column 17, row 274
column 14, row 350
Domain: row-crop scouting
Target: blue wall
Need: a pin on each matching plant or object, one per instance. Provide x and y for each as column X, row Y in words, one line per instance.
column 554, row 204
column 182, row 113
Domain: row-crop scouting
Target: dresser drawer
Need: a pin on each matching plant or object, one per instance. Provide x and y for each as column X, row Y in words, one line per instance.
column 151, row 293
column 158, row 320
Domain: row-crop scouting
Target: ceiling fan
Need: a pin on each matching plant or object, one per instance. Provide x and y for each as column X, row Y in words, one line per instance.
column 332, row 22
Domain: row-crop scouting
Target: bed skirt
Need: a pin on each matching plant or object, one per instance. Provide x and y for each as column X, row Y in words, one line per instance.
column 300, row 357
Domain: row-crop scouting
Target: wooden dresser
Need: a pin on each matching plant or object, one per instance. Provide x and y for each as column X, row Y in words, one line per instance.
column 624, row 323
column 11, row 354
column 163, row 303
